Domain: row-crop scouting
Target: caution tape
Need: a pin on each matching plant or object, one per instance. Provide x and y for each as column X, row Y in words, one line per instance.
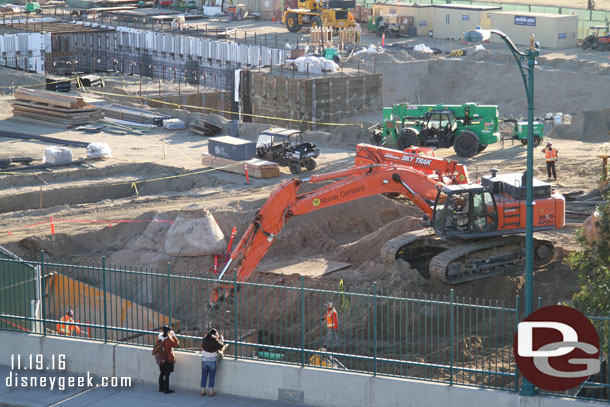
column 180, row 106
column 53, row 221
column 38, row 84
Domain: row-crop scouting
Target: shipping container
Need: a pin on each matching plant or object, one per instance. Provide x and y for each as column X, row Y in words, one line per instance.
column 550, row 30
column 422, row 14
column 451, row 21
column 232, row 148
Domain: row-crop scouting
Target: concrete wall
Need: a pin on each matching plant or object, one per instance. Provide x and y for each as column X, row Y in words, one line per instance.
column 264, row 380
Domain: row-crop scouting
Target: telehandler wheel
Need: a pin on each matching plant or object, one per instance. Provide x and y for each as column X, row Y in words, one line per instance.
column 594, row 43
column 407, row 138
column 316, row 22
column 586, row 44
column 295, row 168
column 537, row 141
column 466, row 144
column 292, row 23
column 310, row 164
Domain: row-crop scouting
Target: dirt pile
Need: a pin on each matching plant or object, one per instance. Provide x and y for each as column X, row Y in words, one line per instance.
column 589, row 126
column 491, row 77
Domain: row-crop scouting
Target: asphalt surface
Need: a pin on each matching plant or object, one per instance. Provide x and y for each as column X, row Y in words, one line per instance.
column 135, row 396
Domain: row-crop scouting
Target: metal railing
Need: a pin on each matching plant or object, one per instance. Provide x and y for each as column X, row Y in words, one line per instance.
column 388, row 333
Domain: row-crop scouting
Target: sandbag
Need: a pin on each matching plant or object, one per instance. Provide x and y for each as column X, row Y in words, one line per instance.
column 98, row 151
column 57, row 155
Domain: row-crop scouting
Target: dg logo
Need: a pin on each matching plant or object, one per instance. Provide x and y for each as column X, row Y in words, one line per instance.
column 556, row 348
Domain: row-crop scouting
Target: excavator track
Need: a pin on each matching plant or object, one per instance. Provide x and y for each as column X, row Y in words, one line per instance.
column 389, row 250
column 460, row 262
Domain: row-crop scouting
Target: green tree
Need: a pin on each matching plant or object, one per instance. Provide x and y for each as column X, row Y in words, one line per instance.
column 592, row 263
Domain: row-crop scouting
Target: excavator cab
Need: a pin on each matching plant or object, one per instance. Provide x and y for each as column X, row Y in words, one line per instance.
column 463, row 210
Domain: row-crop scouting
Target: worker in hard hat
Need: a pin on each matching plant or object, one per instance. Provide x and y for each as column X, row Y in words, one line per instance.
column 550, row 154
column 64, row 329
column 332, row 325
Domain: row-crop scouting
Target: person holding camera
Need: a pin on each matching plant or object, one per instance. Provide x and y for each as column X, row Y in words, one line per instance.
column 211, row 347
column 163, row 352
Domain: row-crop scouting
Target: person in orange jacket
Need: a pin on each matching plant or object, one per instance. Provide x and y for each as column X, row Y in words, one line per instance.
column 332, row 325
column 550, row 154
column 64, row 329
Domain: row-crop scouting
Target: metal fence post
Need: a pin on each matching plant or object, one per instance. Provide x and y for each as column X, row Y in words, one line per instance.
column 302, row 321
column 235, row 307
column 517, row 325
column 375, row 328
column 451, row 338
column 169, row 292
column 105, row 305
column 42, row 294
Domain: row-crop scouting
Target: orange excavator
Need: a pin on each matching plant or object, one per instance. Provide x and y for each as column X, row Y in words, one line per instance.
column 421, row 158
column 475, row 229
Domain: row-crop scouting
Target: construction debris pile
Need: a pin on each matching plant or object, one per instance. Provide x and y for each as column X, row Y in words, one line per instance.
column 58, row 108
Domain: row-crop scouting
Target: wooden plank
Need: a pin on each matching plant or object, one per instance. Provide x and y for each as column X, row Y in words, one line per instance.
column 256, row 168
column 51, row 98
column 37, row 110
column 60, row 109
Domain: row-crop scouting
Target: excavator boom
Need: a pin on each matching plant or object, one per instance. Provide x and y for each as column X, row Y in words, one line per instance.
column 353, row 183
column 446, row 171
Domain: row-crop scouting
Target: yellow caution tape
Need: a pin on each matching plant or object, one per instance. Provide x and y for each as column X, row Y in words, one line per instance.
column 179, row 106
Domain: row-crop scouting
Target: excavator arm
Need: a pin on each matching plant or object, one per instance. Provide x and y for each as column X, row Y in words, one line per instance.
column 352, row 184
column 446, row 171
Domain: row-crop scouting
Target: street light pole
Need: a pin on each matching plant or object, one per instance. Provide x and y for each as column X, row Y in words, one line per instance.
column 527, row 389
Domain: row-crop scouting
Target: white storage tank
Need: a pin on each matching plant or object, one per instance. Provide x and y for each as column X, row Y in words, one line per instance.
column 550, row 30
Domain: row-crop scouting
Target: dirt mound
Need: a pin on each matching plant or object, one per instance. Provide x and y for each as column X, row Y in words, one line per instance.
column 589, row 126
column 368, row 247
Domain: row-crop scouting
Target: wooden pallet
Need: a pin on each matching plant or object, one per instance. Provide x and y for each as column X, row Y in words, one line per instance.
column 256, row 168
column 50, row 98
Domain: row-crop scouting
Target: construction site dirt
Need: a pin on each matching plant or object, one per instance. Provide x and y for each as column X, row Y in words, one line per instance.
column 154, row 174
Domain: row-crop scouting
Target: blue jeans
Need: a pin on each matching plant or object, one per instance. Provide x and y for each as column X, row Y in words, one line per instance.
column 208, row 367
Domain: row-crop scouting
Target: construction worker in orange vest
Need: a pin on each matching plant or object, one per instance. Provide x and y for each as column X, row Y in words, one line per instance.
column 68, row 330
column 550, row 154
column 332, row 325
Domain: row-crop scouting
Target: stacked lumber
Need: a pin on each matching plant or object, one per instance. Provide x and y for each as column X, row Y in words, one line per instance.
column 205, row 128
column 53, row 107
column 256, row 168
column 129, row 114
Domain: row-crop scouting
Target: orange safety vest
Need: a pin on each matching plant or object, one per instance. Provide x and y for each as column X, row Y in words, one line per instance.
column 332, row 321
column 64, row 329
column 550, row 154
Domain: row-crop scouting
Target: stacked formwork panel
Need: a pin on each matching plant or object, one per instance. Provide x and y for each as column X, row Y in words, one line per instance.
column 308, row 103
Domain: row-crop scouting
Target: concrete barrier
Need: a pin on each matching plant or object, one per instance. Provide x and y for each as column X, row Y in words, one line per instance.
column 263, row 380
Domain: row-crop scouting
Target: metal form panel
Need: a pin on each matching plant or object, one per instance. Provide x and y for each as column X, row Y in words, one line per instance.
column 194, row 47
column 169, row 43
column 205, row 49
column 159, row 42
column 177, row 45
column 186, row 45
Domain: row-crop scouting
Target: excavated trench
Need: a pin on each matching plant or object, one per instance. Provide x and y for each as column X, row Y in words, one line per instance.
column 87, row 185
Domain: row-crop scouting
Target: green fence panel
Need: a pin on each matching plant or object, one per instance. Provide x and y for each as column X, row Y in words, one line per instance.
column 382, row 332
